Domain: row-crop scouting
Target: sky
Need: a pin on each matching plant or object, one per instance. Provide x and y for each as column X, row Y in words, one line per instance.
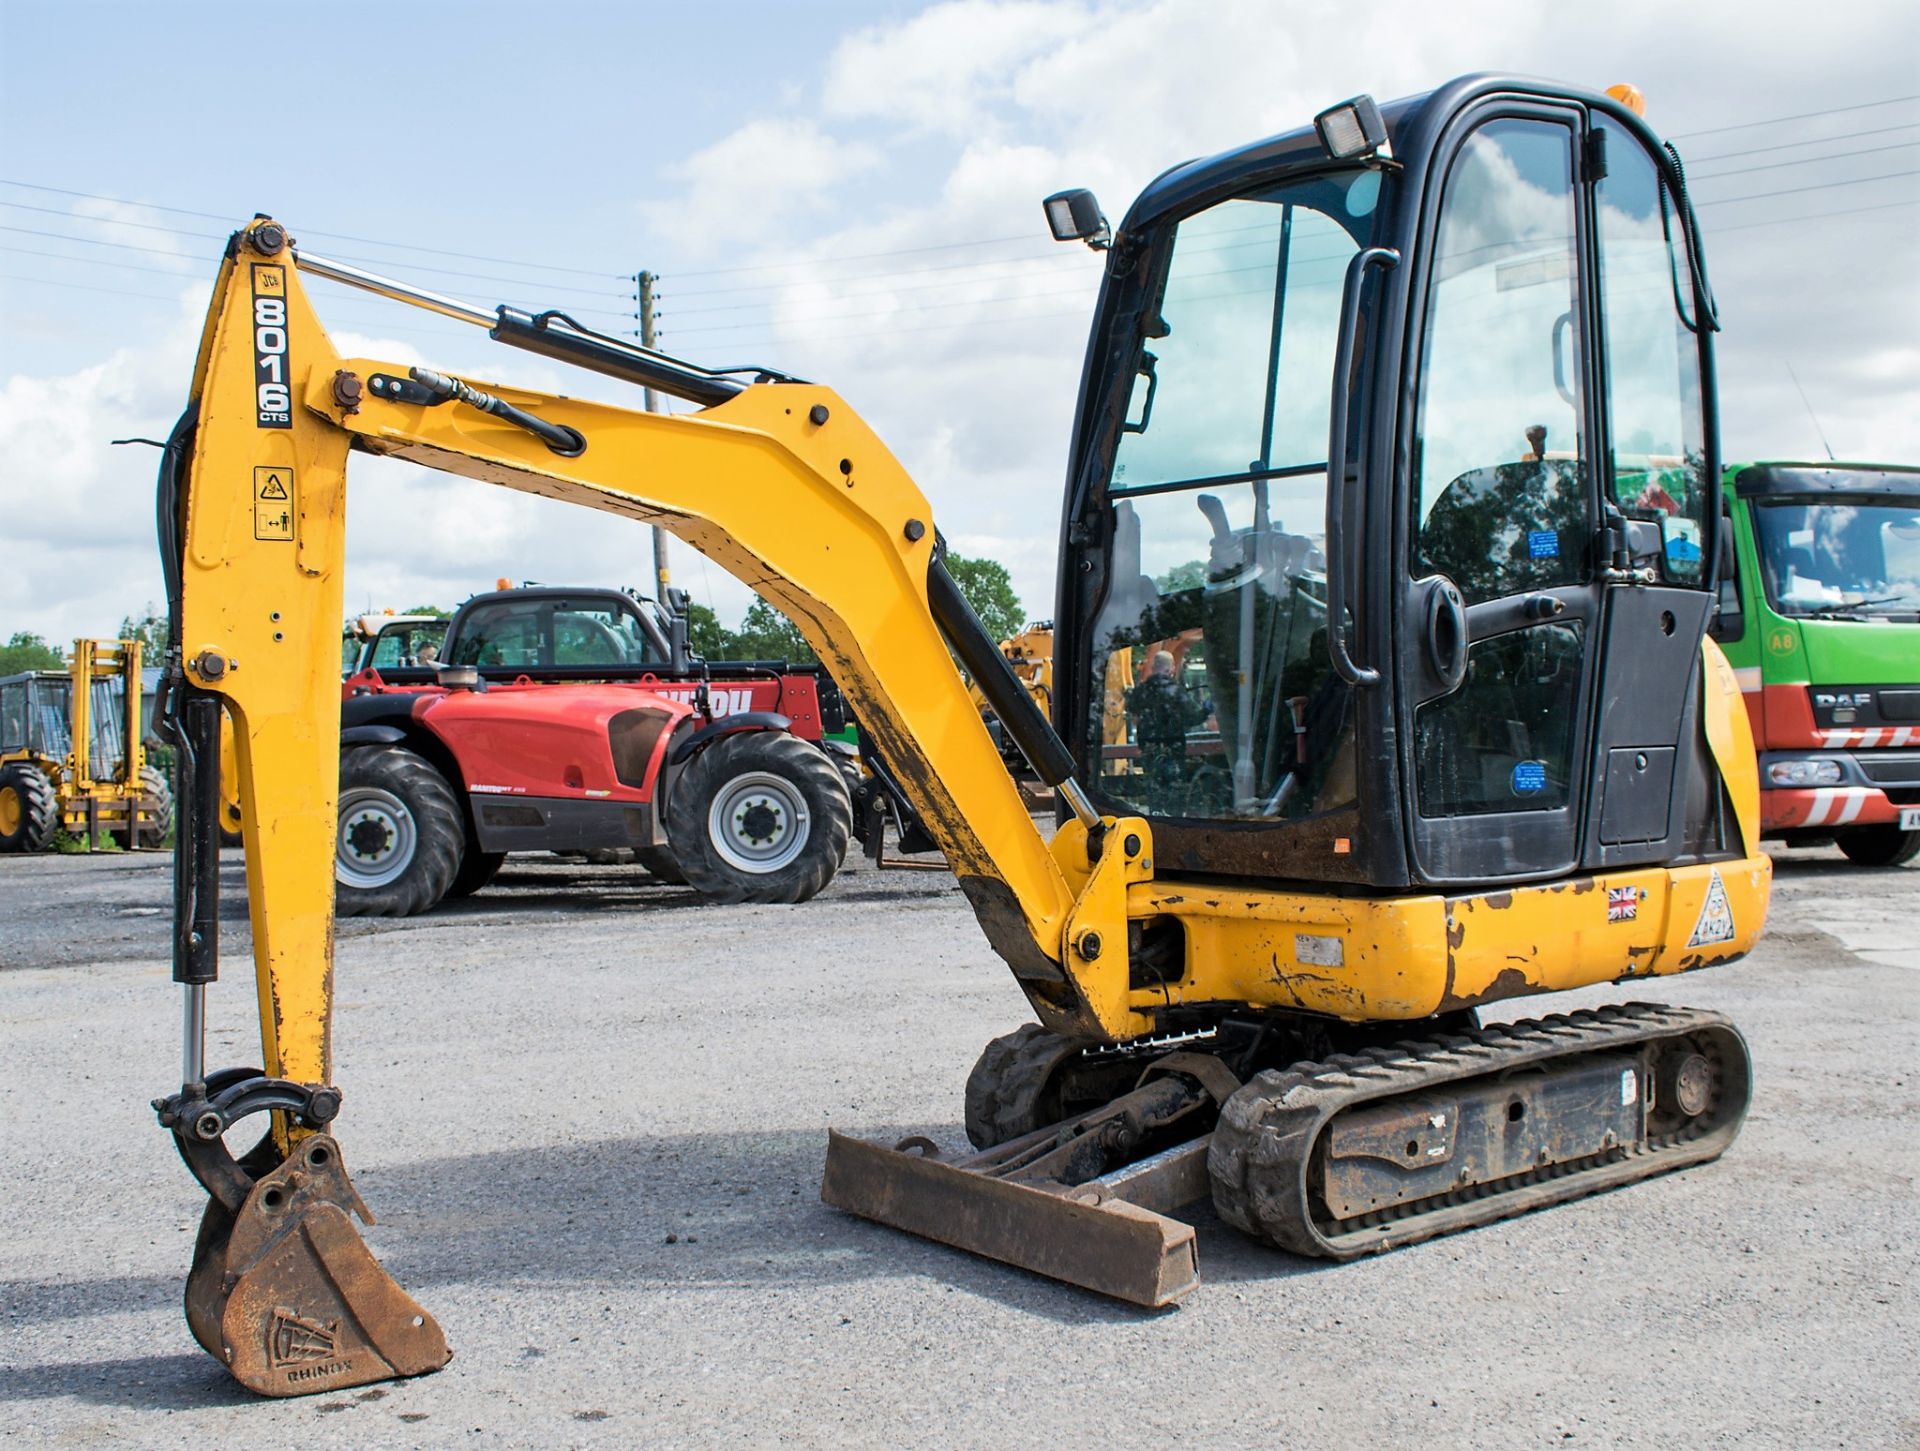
column 848, row 192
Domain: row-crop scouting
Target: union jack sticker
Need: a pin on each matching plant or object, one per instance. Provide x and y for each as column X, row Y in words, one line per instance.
column 1623, row 904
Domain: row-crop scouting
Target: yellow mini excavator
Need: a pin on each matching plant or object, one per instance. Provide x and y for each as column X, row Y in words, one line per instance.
column 1382, row 693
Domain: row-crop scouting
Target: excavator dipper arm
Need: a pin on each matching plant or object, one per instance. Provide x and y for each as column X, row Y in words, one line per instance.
column 779, row 482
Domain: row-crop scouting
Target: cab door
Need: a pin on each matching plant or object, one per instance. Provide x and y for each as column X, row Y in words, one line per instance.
column 1549, row 629
column 1500, row 608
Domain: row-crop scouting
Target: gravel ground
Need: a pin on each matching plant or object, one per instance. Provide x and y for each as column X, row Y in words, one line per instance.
column 590, row 1114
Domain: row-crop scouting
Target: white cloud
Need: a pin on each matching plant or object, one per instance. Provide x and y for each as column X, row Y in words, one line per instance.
column 951, row 68
column 907, row 137
column 79, row 512
column 756, row 180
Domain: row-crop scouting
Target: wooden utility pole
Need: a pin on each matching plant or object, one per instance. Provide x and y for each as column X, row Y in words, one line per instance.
column 644, row 295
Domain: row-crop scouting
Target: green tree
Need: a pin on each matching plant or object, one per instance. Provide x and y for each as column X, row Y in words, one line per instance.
column 707, row 635
column 1190, row 575
column 989, row 590
column 433, row 611
column 27, row 651
column 766, row 634
column 150, row 628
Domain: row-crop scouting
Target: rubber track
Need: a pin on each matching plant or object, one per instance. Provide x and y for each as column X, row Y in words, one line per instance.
column 1007, row 1082
column 1260, row 1158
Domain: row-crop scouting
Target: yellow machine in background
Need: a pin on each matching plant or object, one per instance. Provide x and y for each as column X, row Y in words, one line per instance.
column 1030, row 656
column 72, row 758
column 1257, row 941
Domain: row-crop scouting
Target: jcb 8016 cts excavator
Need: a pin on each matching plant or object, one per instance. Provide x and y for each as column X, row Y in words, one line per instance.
column 1381, row 694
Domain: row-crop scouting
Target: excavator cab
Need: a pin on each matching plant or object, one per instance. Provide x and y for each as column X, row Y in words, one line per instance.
column 1381, row 694
column 1363, row 443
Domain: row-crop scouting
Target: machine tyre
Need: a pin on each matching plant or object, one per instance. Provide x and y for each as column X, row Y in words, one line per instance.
column 477, row 868
column 661, row 864
column 1878, row 846
column 399, row 841
column 29, row 810
column 759, row 817
column 154, row 783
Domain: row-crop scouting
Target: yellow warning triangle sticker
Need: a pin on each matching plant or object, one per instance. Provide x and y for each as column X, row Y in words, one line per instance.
column 1716, row 916
column 273, row 488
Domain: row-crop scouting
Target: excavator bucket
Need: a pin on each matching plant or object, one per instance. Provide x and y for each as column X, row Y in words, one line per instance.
column 286, row 1295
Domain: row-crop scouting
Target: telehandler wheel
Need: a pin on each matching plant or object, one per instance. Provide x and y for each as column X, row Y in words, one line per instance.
column 400, row 840
column 477, row 868
column 661, row 864
column 154, row 783
column 1878, row 846
column 28, row 809
column 760, row 817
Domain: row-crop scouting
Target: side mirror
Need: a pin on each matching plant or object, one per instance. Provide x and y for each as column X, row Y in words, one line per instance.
column 1075, row 216
column 679, row 631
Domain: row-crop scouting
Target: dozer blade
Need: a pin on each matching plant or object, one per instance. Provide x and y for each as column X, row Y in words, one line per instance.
column 286, row 1295
column 1102, row 1235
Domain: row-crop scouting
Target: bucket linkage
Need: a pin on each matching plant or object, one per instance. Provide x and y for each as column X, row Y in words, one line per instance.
column 283, row 1291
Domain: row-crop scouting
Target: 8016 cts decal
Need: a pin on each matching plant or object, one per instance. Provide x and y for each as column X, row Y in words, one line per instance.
column 273, row 394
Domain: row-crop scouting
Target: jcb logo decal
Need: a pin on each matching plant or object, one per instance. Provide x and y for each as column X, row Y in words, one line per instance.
column 273, row 393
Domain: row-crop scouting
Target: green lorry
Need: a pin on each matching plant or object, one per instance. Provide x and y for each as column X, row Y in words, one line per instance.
column 1819, row 614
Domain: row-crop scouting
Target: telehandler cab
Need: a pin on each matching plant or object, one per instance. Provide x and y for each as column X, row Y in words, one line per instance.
column 1368, row 414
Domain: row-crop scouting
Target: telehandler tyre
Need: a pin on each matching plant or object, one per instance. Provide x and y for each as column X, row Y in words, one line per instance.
column 28, row 810
column 477, row 868
column 760, row 817
column 661, row 864
column 400, row 840
column 153, row 834
column 1878, row 846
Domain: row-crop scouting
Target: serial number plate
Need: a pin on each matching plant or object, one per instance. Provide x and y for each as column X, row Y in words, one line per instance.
column 1910, row 818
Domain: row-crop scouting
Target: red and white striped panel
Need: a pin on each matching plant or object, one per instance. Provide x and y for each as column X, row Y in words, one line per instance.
column 1872, row 736
column 1837, row 805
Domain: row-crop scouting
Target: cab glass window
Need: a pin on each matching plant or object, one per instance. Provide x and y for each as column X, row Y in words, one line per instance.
column 1504, row 740
column 1212, row 692
column 529, row 634
column 1840, row 556
column 1658, row 459
column 1500, row 465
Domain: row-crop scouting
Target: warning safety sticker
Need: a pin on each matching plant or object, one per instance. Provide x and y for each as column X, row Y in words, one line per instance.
column 273, row 502
column 1716, row 916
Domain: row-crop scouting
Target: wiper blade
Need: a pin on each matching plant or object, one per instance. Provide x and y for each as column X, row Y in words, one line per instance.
column 1854, row 606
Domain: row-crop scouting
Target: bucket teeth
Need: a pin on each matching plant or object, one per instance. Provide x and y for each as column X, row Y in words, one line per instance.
column 288, row 1297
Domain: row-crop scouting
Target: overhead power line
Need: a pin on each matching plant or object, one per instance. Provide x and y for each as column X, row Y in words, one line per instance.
column 1694, row 161
column 1782, row 120
column 1755, row 196
column 341, row 236
column 1693, row 176
column 86, row 287
column 864, row 256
